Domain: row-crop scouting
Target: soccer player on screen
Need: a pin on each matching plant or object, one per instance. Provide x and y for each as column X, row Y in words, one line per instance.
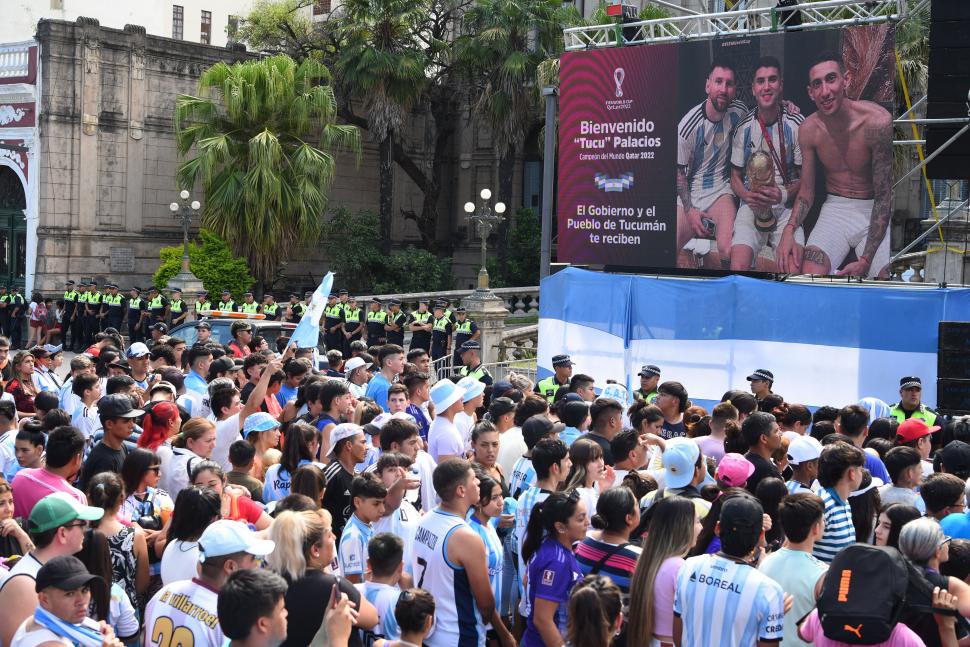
column 852, row 140
column 771, row 129
column 705, row 202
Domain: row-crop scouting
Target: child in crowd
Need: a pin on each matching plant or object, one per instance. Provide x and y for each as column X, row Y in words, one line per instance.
column 242, row 455
column 415, row 617
column 385, row 555
column 905, row 468
column 367, row 494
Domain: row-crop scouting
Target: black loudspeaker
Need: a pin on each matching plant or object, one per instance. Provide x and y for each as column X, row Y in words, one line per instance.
column 947, row 88
column 953, row 368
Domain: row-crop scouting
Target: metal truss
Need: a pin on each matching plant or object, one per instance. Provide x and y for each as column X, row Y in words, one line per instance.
column 815, row 15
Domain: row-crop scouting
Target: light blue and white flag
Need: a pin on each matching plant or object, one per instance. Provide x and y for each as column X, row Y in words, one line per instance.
column 307, row 332
column 825, row 343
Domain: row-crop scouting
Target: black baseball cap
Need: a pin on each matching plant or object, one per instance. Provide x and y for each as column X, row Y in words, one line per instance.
column 741, row 514
column 955, row 457
column 65, row 572
column 160, row 327
column 117, row 405
column 500, row 406
column 538, row 427
column 222, row 365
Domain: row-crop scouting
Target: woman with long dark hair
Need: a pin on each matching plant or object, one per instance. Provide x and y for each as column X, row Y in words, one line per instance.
column 891, row 520
column 608, row 550
column 129, row 550
column 195, row 509
column 589, row 474
column 555, row 525
column 296, row 453
column 109, row 603
column 21, row 386
column 595, row 613
column 673, row 529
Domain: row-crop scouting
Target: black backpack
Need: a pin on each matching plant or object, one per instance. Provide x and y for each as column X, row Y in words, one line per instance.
column 863, row 594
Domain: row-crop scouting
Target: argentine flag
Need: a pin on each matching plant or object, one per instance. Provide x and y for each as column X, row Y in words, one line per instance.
column 307, row 332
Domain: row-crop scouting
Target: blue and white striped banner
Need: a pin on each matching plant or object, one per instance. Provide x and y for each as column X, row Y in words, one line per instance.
column 825, row 343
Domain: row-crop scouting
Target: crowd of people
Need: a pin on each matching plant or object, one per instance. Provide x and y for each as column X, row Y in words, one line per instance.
column 168, row 495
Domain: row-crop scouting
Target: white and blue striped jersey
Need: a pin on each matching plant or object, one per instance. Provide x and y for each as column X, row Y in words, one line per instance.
column 749, row 138
column 839, row 531
column 724, row 602
column 457, row 620
column 704, row 147
column 523, row 476
column 495, row 552
column 384, row 598
column 352, row 552
column 794, row 487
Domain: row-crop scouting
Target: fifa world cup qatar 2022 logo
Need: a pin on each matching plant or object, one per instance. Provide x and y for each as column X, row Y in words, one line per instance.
column 618, row 75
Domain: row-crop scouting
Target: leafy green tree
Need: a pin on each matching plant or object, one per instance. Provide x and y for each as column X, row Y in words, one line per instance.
column 519, row 268
column 353, row 249
column 413, row 270
column 211, row 260
column 263, row 133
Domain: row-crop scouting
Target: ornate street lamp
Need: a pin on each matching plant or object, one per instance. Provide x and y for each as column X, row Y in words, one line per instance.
column 486, row 219
column 185, row 212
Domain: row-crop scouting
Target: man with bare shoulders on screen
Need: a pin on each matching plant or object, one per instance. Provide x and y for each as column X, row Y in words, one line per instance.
column 852, row 140
column 705, row 202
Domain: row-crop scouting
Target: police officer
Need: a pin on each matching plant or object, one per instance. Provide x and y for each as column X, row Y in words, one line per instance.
column 344, row 296
column 157, row 306
column 226, row 304
column 270, row 307
column 249, row 305
column 649, row 378
column 353, row 324
column 5, row 310
column 441, row 328
column 114, row 308
column 137, row 315
column 92, row 308
column 445, row 303
column 202, row 303
column 471, row 359
column 910, row 405
column 465, row 330
column 294, row 311
column 420, row 325
column 563, row 367
column 332, row 324
column 178, row 309
column 18, row 307
column 77, row 319
column 70, row 305
column 376, row 318
column 396, row 321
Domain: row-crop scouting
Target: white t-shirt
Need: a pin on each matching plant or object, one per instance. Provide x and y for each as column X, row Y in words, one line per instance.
column 87, row 421
column 23, row 638
column 175, row 471
column 186, row 605
column 511, row 446
column 227, row 432
column 465, row 423
column 8, row 454
column 444, row 439
column 180, row 561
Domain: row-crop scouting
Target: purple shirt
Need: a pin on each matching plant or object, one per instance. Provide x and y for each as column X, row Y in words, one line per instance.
column 553, row 571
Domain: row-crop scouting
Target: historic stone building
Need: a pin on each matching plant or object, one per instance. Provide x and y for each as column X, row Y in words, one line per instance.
column 85, row 184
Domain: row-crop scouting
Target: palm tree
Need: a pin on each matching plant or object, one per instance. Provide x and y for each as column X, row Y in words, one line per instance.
column 382, row 64
column 509, row 40
column 263, row 133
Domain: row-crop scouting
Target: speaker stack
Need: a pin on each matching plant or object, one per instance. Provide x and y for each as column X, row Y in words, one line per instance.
column 947, row 88
column 953, row 368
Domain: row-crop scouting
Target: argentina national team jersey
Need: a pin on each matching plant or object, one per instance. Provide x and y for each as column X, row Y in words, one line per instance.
column 384, row 598
column 523, row 476
column 723, row 602
column 183, row 612
column 495, row 552
column 458, row 622
column 704, row 148
column 352, row 551
column 749, row 138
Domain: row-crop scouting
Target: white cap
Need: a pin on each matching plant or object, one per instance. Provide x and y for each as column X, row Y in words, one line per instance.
column 803, row 449
column 352, row 364
column 341, row 431
column 225, row 537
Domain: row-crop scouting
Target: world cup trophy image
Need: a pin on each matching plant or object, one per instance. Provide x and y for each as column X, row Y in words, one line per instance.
column 761, row 173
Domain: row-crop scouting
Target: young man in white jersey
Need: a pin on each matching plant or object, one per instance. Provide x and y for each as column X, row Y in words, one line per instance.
column 401, row 435
column 722, row 599
column 186, row 611
column 400, row 516
column 705, row 202
column 231, row 413
column 56, row 526
column 451, row 564
column 367, row 494
column 252, row 610
column 775, row 178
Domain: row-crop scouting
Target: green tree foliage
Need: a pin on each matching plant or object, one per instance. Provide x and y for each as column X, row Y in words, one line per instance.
column 519, row 267
column 263, row 133
column 353, row 246
column 211, row 260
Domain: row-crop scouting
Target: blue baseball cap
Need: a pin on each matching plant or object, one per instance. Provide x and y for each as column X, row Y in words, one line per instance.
column 224, row 537
column 259, row 421
column 679, row 458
